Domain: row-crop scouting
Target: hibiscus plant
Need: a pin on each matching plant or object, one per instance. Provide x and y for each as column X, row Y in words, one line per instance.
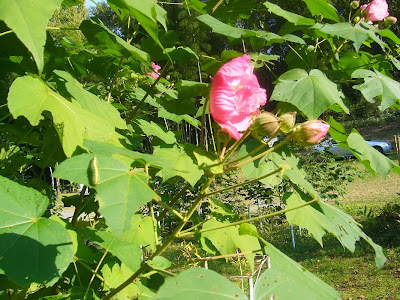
column 106, row 115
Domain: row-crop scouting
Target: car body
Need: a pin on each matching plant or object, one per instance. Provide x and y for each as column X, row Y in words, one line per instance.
column 332, row 147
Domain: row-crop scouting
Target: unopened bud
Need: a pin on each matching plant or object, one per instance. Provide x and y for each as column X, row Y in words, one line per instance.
column 356, row 20
column 288, row 121
column 310, row 48
column 310, row 133
column 355, row 4
column 266, row 124
column 390, row 20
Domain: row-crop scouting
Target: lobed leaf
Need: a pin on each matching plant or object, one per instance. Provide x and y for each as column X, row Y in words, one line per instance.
column 378, row 85
column 32, row 248
column 30, row 97
column 311, row 93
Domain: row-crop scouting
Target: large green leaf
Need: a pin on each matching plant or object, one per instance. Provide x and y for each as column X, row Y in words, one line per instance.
column 121, row 191
column 355, row 33
column 28, row 19
column 146, row 12
column 91, row 102
column 322, row 7
column 198, row 283
column 98, row 34
column 290, row 17
column 182, row 158
column 286, row 279
column 32, row 248
column 378, row 85
column 151, row 128
column 311, row 93
column 321, row 217
column 30, row 97
column 128, row 252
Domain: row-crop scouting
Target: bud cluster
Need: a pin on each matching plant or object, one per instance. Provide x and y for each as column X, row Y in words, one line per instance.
column 307, row 134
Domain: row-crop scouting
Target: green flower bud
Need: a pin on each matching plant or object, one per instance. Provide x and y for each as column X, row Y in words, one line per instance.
column 310, row 133
column 390, row 20
column 288, row 121
column 356, row 20
column 310, row 48
column 266, row 124
column 355, row 4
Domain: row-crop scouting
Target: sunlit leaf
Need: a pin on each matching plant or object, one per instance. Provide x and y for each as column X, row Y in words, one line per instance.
column 311, row 93
column 147, row 12
column 153, row 129
column 28, row 19
column 286, row 279
column 320, row 218
column 30, row 97
column 378, row 85
column 322, row 7
column 290, row 17
column 182, row 158
column 355, row 33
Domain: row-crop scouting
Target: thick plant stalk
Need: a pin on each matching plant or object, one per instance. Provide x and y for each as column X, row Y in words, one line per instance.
column 169, row 241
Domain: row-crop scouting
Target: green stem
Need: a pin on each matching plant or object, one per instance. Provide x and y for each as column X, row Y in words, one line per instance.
column 169, row 208
column 203, row 122
column 195, row 226
column 236, row 144
column 91, row 270
column 6, row 32
column 173, row 201
column 287, row 139
column 254, row 151
column 78, row 207
column 212, row 258
column 244, row 183
column 154, row 222
column 134, row 112
column 252, row 219
column 114, row 78
column 168, row 242
column 95, row 272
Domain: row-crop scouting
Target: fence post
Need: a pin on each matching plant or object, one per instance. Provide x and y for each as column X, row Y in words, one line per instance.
column 397, row 142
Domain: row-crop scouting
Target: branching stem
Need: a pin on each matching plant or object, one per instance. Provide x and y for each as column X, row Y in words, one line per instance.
column 251, row 219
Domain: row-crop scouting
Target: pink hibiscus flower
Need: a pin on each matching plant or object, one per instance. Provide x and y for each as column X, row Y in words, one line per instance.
column 377, row 10
column 236, row 96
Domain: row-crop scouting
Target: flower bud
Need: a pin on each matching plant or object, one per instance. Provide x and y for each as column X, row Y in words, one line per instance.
column 288, row 121
column 390, row 20
column 310, row 133
column 266, row 124
column 355, row 4
column 356, row 20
